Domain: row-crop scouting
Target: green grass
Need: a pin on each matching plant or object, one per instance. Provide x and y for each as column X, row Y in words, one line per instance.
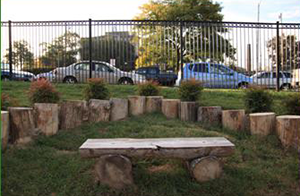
column 228, row 99
column 52, row 165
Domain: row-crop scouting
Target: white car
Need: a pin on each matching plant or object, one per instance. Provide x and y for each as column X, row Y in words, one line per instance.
column 268, row 79
column 80, row 72
column 296, row 78
column 48, row 76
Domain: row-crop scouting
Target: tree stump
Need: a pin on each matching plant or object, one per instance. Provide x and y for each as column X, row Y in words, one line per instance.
column 288, row 130
column 46, row 118
column 233, row 119
column 119, row 109
column 137, row 105
column 99, row 110
column 153, row 104
column 205, row 168
column 22, row 127
column 188, row 111
column 211, row 115
column 72, row 114
column 114, row 171
column 4, row 128
column 262, row 124
column 171, row 108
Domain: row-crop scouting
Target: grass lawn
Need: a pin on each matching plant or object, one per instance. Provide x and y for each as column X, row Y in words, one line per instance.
column 228, row 99
column 52, row 165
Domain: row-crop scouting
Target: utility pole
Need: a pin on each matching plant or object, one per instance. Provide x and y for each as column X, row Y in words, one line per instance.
column 258, row 37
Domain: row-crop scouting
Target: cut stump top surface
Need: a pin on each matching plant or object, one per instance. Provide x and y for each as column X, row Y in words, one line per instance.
column 263, row 114
column 288, row 117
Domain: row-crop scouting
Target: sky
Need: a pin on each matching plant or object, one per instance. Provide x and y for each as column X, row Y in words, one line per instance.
column 233, row 10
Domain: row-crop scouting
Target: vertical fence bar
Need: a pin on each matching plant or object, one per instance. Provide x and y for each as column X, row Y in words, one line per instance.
column 181, row 49
column 278, row 56
column 90, row 47
column 10, row 50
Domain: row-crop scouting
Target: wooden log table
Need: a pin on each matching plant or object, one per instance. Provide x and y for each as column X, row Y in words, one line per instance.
column 114, row 167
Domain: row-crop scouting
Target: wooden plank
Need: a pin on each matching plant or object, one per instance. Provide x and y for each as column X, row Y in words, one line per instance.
column 153, row 143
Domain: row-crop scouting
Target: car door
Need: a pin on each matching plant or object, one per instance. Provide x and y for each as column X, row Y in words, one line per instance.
column 265, row 80
column 103, row 71
column 201, row 72
column 82, row 71
column 274, row 79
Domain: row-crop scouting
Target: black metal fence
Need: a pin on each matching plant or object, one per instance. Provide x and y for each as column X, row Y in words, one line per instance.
column 220, row 54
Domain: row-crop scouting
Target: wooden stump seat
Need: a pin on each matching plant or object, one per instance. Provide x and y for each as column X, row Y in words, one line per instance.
column 201, row 155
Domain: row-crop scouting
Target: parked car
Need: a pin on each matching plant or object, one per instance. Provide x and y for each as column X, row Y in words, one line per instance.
column 214, row 75
column 50, row 76
column 269, row 80
column 80, row 72
column 296, row 78
column 154, row 73
column 16, row 74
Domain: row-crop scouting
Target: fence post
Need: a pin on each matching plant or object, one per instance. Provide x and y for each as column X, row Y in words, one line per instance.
column 278, row 57
column 10, row 50
column 90, row 47
column 181, row 49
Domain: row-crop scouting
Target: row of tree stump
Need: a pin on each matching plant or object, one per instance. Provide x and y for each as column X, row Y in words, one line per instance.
column 24, row 123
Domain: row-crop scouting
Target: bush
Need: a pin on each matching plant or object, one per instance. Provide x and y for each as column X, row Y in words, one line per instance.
column 148, row 89
column 257, row 99
column 7, row 101
column 96, row 89
column 190, row 90
column 42, row 91
column 292, row 104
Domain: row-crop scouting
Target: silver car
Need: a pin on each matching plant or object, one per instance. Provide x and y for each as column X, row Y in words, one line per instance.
column 269, row 79
column 80, row 72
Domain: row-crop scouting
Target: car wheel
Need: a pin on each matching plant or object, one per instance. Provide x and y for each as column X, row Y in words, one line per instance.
column 126, row 81
column 243, row 85
column 285, row 87
column 70, row 80
column 5, row 78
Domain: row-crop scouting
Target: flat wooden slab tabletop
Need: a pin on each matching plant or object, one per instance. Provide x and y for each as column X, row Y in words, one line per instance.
column 156, row 143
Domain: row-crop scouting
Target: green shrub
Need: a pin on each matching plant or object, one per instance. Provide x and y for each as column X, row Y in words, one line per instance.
column 190, row 90
column 292, row 104
column 257, row 99
column 96, row 89
column 7, row 101
column 42, row 91
column 148, row 88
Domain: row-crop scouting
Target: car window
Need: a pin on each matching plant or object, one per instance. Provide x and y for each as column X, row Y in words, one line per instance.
column 288, row 75
column 83, row 66
column 141, row 71
column 265, row 75
column 275, row 75
column 203, row 68
column 102, row 68
column 152, row 71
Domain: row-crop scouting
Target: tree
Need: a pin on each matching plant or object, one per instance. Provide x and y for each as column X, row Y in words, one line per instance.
column 62, row 51
column 209, row 37
column 289, row 51
column 21, row 55
column 112, row 45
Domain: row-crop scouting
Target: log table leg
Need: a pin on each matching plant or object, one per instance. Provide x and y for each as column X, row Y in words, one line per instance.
column 262, row 124
column 205, row 168
column 114, row 171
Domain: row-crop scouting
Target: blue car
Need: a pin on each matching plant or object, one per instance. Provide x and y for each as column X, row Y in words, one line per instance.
column 16, row 74
column 214, row 75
